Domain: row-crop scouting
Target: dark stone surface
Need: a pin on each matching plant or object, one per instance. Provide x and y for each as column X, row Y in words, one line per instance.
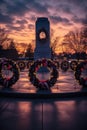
column 65, row 114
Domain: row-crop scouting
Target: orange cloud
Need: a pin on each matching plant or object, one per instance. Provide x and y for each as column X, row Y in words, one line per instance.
column 19, row 21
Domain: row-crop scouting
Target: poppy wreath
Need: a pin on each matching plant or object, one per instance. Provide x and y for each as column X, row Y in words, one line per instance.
column 8, row 66
column 29, row 64
column 57, row 64
column 21, row 65
column 73, row 65
column 48, row 83
column 65, row 65
column 81, row 73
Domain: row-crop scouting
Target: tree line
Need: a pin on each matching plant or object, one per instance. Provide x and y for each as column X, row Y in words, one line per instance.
column 76, row 41
column 73, row 42
column 9, row 48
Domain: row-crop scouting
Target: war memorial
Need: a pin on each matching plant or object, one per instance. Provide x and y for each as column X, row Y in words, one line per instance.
column 43, row 72
column 48, row 95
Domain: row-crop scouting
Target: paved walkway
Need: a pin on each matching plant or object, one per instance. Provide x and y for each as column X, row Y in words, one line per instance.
column 65, row 114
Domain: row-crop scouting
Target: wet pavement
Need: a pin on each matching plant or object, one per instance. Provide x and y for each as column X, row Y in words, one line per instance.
column 66, row 86
column 65, row 83
column 69, row 114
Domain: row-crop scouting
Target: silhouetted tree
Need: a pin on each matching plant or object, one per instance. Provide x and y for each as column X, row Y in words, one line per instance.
column 29, row 52
column 75, row 41
column 12, row 45
column 4, row 39
column 7, row 46
column 54, row 46
column 84, row 35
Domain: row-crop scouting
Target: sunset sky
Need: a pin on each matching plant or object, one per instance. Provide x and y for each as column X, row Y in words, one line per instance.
column 19, row 16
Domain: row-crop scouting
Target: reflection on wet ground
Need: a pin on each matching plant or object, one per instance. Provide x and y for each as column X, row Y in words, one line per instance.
column 43, row 114
column 65, row 83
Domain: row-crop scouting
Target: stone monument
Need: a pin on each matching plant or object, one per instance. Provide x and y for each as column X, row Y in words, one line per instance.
column 42, row 49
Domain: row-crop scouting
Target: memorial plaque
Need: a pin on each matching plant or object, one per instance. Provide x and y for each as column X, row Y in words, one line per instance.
column 42, row 49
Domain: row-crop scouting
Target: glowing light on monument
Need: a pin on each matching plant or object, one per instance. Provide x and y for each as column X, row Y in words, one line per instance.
column 42, row 35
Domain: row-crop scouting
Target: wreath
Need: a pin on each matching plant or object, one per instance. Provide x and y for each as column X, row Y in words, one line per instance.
column 57, row 64
column 81, row 73
column 21, row 65
column 29, row 64
column 73, row 65
column 65, row 65
column 9, row 73
column 50, row 65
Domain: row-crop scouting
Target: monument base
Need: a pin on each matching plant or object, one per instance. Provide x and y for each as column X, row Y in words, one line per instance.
column 40, row 54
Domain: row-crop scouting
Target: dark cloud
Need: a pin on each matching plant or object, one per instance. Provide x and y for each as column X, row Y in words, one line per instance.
column 40, row 8
column 75, row 19
column 20, row 8
column 6, row 19
column 37, row 6
column 17, row 9
column 83, row 21
column 33, row 18
column 58, row 19
column 78, row 2
column 72, row 7
column 23, row 21
column 2, row 2
column 16, row 28
column 65, row 8
column 85, row 8
column 31, row 26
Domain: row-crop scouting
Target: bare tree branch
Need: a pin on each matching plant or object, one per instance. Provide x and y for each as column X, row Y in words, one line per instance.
column 76, row 41
column 54, row 44
column 4, row 40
